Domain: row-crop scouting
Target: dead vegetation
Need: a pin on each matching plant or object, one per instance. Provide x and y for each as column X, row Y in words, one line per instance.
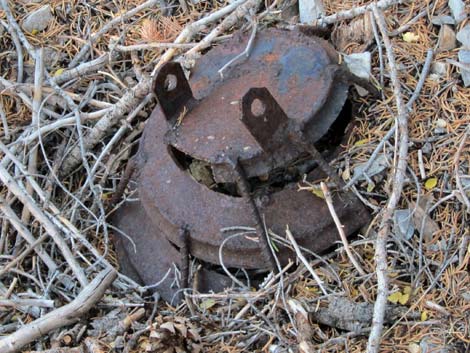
column 71, row 115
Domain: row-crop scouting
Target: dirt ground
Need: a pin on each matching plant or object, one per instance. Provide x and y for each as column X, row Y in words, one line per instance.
column 75, row 94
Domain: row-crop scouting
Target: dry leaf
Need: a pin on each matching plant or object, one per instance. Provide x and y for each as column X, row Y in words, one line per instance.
column 400, row 297
column 168, row 326
column 378, row 165
column 361, row 142
column 421, row 220
column 317, row 192
column 310, row 10
column 207, row 304
column 394, row 297
column 403, row 223
column 58, row 72
column 430, row 183
column 446, row 39
column 183, row 329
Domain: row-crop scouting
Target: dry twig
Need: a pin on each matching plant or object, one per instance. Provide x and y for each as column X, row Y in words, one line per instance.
column 65, row 315
column 339, row 226
column 373, row 345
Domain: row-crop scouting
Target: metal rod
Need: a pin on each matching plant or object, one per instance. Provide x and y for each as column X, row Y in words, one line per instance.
column 244, row 189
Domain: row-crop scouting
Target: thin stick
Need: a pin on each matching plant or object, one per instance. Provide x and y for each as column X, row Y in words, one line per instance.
column 375, row 336
column 463, row 195
column 26, row 235
column 66, row 315
column 422, row 78
column 228, row 22
column 356, row 11
column 391, row 132
column 108, row 26
column 339, row 226
column 304, row 261
column 28, row 201
column 244, row 54
column 14, row 303
column 6, row 129
column 422, row 171
column 305, row 330
column 36, row 118
column 18, row 258
column 153, row 45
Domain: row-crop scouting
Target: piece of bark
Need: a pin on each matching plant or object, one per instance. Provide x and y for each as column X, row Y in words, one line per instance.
column 304, row 329
column 345, row 314
column 357, row 33
column 66, row 315
column 446, row 39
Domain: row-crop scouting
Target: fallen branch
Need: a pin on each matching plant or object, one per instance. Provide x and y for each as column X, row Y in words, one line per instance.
column 63, row 350
column 83, row 69
column 375, row 336
column 130, row 99
column 344, row 314
column 66, row 315
column 53, row 231
column 15, row 303
column 242, row 11
column 356, row 11
column 191, row 30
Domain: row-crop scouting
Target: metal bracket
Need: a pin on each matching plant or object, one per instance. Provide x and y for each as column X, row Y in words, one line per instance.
column 264, row 118
column 271, row 126
column 172, row 90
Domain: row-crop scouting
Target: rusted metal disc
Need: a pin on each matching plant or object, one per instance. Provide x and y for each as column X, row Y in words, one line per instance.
column 298, row 71
column 298, row 75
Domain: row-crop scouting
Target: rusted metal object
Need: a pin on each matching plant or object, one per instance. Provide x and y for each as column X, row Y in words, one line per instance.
column 265, row 113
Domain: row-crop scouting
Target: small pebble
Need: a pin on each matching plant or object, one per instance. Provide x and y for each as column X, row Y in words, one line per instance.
column 443, row 20
column 427, row 148
column 359, row 64
column 439, row 68
column 439, row 131
column 464, row 58
column 457, row 9
column 38, row 20
column 441, row 123
column 310, row 10
column 463, row 36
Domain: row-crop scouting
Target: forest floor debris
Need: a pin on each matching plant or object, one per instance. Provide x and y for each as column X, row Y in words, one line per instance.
column 71, row 115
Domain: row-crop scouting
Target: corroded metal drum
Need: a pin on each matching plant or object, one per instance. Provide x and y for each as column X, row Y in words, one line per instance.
column 215, row 154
